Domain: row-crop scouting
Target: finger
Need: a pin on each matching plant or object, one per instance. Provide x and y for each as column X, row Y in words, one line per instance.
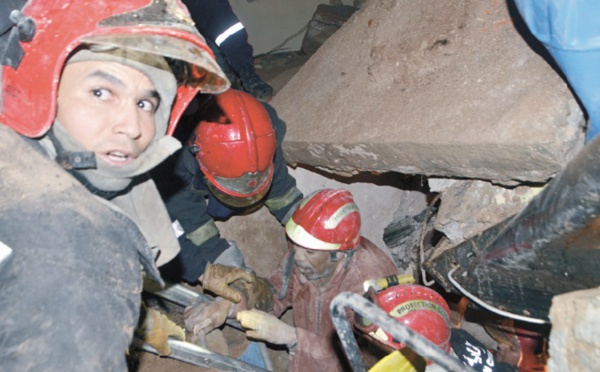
column 230, row 294
column 241, row 275
column 246, row 324
column 191, row 321
column 163, row 350
column 193, row 316
column 254, row 335
column 199, row 329
column 251, row 319
column 199, row 340
column 178, row 333
column 194, row 308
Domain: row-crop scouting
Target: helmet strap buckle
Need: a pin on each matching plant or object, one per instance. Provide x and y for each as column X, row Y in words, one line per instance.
column 333, row 256
column 349, row 255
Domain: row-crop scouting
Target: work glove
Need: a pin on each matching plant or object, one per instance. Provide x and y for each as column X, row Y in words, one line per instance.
column 156, row 330
column 258, row 294
column 203, row 317
column 266, row 327
column 217, row 279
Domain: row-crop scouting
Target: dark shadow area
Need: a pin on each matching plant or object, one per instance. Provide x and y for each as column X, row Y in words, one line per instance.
column 400, row 181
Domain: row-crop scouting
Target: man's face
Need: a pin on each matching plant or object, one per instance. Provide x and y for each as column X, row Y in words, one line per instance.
column 108, row 108
column 311, row 263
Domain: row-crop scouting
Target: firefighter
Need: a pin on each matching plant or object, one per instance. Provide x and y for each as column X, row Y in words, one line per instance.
column 327, row 256
column 218, row 23
column 88, row 95
column 427, row 313
column 232, row 163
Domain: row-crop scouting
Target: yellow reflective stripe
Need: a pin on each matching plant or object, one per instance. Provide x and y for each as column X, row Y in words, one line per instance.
column 339, row 215
column 282, row 201
column 304, row 239
column 203, row 233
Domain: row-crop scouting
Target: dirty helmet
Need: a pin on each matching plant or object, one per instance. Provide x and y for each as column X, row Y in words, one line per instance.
column 46, row 32
column 326, row 220
column 235, row 146
column 419, row 308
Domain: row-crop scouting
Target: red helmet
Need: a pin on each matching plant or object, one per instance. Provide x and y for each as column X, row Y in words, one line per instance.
column 161, row 27
column 236, row 146
column 326, row 220
column 419, row 308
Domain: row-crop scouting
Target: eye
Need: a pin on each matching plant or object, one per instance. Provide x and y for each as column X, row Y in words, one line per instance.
column 101, row 93
column 147, row 105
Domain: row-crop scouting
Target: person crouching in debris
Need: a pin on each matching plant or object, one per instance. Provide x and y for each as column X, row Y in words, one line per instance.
column 87, row 98
column 327, row 256
column 233, row 162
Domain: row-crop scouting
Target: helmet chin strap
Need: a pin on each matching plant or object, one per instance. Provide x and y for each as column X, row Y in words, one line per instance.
column 333, row 256
column 97, row 176
column 349, row 254
column 333, row 259
column 108, row 195
column 326, row 274
column 75, row 161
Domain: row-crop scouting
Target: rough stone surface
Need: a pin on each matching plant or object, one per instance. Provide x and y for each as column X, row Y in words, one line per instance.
column 469, row 207
column 575, row 335
column 262, row 239
column 379, row 198
column 443, row 88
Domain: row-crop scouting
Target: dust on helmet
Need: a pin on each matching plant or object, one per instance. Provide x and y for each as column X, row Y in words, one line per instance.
column 326, row 220
column 60, row 27
column 419, row 308
column 235, row 147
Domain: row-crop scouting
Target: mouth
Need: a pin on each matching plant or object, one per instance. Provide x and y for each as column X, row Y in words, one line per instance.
column 303, row 269
column 118, row 158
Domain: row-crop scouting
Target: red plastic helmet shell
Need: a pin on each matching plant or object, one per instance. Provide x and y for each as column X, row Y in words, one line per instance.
column 419, row 308
column 326, row 220
column 236, row 148
column 162, row 27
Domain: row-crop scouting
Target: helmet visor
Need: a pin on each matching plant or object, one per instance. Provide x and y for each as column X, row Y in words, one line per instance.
column 191, row 64
column 242, row 191
column 237, row 201
column 248, row 184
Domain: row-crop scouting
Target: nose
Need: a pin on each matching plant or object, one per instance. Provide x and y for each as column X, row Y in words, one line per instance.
column 299, row 254
column 127, row 122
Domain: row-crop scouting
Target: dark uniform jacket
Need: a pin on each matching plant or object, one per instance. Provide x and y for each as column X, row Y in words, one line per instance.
column 193, row 208
column 215, row 17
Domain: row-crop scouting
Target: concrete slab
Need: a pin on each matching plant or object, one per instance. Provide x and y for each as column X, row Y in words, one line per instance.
column 438, row 88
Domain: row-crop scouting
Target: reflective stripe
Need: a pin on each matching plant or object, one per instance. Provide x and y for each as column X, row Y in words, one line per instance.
column 5, row 252
column 177, row 228
column 276, row 204
column 203, row 233
column 303, row 238
column 230, row 31
column 289, row 213
column 339, row 215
